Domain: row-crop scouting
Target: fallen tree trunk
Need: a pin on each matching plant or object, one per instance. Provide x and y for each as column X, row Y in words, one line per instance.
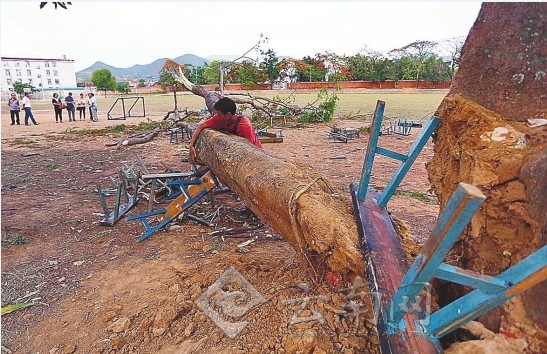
column 291, row 198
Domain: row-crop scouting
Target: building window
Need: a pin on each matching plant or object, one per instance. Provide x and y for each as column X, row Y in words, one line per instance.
column 48, row 72
column 17, row 63
column 46, row 64
column 6, row 63
column 54, row 64
column 9, row 81
column 56, row 81
column 40, row 84
column 30, row 81
column 55, row 73
column 38, row 66
column 39, row 75
column 29, row 73
column 49, row 81
column 18, row 72
column 27, row 64
column 7, row 72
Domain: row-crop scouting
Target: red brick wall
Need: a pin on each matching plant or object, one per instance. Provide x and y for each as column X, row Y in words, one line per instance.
column 403, row 84
column 370, row 85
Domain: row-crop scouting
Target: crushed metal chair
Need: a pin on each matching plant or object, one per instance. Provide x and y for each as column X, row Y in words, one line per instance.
column 124, row 184
column 192, row 190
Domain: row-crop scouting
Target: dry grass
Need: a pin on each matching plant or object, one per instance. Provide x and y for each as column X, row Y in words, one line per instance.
column 398, row 105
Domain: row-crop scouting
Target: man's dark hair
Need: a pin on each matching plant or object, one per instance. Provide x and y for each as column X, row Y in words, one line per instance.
column 225, row 105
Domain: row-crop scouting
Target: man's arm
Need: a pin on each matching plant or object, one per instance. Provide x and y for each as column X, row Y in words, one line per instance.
column 193, row 141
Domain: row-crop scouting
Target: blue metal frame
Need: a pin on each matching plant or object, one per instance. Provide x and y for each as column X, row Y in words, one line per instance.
column 408, row 329
column 188, row 202
column 520, row 277
column 406, row 160
column 120, row 209
column 491, row 291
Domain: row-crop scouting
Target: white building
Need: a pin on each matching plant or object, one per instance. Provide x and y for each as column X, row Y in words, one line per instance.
column 41, row 73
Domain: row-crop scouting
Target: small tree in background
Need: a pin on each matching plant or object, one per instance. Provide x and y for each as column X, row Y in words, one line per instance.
column 269, row 65
column 142, row 83
column 20, row 87
column 103, row 80
column 246, row 73
column 167, row 77
column 416, row 53
column 211, row 73
column 123, row 88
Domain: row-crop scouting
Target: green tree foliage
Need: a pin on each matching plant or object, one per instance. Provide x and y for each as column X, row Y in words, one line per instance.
column 197, row 74
column 142, row 83
column 167, row 78
column 246, row 73
column 211, row 73
column 436, row 69
column 314, row 70
column 123, row 88
column 324, row 112
column 103, row 80
column 269, row 65
column 20, row 87
column 369, row 65
column 415, row 54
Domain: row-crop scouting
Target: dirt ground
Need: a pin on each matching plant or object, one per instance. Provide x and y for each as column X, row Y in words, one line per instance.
column 96, row 290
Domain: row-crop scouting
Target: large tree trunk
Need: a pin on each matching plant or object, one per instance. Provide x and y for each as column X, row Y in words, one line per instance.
column 483, row 141
column 291, row 198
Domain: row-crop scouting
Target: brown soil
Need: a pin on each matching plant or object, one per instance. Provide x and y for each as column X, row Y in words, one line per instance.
column 95, row 289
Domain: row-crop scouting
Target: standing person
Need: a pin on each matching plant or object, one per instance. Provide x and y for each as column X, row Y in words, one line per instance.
column 14, row 109
column 70, row 108
column 226, row 119
column 28, row 110
column 81, row 106
column 57, row 107
column 88, row 101
column 93, row 107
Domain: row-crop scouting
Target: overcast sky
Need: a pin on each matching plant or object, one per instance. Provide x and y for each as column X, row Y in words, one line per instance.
column 122, row 34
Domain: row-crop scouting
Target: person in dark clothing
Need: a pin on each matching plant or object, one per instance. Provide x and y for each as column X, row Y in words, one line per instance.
column 14, row 108
column 57, row 107
column 70, row 107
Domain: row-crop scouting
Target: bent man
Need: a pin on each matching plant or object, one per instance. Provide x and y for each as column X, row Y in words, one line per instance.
column 226, row 119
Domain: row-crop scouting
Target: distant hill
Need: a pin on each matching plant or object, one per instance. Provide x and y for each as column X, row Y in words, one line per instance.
column 141, row 71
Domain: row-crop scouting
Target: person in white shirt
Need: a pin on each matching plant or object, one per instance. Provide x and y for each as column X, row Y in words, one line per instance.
column 93, row 106
column 81, row 106
column 28, row 109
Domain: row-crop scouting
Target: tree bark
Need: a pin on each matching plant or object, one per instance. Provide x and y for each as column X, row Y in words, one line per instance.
column 482, row 140
column 291, row 198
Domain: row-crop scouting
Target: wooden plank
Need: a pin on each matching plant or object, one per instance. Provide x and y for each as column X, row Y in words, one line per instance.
column 270, row 140
column 177, row 206
column 167, row 175
column 386, row 266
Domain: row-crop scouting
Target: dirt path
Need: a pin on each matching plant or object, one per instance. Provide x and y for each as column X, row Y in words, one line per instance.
column 96, row 290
